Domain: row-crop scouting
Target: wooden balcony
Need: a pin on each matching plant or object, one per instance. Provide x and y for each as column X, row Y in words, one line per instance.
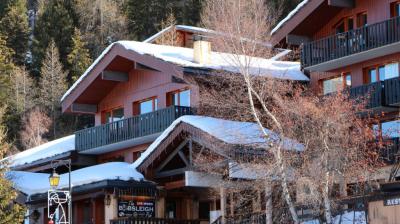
column 129, row 128
column 382, row 96
column 373, row 94
column 152, row 221
column 354, row 46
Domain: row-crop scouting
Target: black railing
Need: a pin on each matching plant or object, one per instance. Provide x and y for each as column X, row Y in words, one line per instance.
column 351, row 42
column 372, row 93
column 389, row 151
column 152, row 221
column 257, row 218
column 392, row 91
column 129, row 128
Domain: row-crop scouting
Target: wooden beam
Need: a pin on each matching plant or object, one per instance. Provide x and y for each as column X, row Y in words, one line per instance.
column 171, row 155
column 170, row 173
column 296, row 39
column 115, row 76
column 174, row 184
column 84, row 108
column 184, row 159
column 140, row 66
column 342, row 3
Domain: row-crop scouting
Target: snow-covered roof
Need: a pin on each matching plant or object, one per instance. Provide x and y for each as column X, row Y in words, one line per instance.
column 33, row 183
column 289, row 16
column 231, row 132
column 219, row 61
column 349, row 217
column 192, row 29
column 47, row 150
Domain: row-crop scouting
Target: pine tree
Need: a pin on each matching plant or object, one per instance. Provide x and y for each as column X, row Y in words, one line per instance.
column 54, row 22
column 79, row 58
column 6, row 69
column 3, row 6
column 52, row 83
column 101, row 22
column 141, row 25
column 15, row 25
column 10, row 211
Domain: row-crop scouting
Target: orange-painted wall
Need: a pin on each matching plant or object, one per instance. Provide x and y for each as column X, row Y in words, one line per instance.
column 377, row 11
column 142, row 85
column 127, row 154
column 356, row 70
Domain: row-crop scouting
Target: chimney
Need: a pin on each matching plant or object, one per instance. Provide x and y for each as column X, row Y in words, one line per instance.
column 201, row 50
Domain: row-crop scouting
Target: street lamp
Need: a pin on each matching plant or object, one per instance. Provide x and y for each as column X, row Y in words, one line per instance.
column 54, row 196
column 54, row 179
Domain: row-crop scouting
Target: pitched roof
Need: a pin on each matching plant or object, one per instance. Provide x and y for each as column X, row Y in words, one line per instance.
column 44, row 151
column 230, row 132
column 289, row 16
column 33, row 183
column 219, row 61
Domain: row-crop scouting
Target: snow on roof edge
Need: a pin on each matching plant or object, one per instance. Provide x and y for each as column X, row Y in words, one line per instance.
column 43, row 151
column 178, row 27
column 289, row 16
column 231, row 132
column 34, row 183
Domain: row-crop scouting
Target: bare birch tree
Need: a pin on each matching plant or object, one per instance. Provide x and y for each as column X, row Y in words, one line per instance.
column 244, row 25
column 35, row 124
column 330, row 153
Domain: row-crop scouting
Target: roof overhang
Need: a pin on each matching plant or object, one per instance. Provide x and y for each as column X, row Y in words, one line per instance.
column 303, row 22
column 355, row 58
column 110, row 69
column 99, row 186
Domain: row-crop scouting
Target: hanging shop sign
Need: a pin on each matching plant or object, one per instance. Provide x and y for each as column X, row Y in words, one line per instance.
column 391, row 202
column 130, row 208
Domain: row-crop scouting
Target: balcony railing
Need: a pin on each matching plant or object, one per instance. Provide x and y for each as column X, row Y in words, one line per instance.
column 351, row 42
column 372, row 93
column 389, row 151
column 382, row 94
column 129, row 128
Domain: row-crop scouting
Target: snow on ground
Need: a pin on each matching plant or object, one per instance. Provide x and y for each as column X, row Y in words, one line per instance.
column 47, row 150
column 349, row 217
column 231, row 132
column 33, row 183
column 289, row 16
column 219, row 61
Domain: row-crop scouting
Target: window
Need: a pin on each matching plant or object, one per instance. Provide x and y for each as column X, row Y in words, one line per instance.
column 340, row 27
column 347, row 79
column 145, row 106
column 344, row 25
column 395, row 9
column 336, row 84
column 362, row 19
column 113, row 115
column 179, row 98
column 387, row 129
column 382, row 72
